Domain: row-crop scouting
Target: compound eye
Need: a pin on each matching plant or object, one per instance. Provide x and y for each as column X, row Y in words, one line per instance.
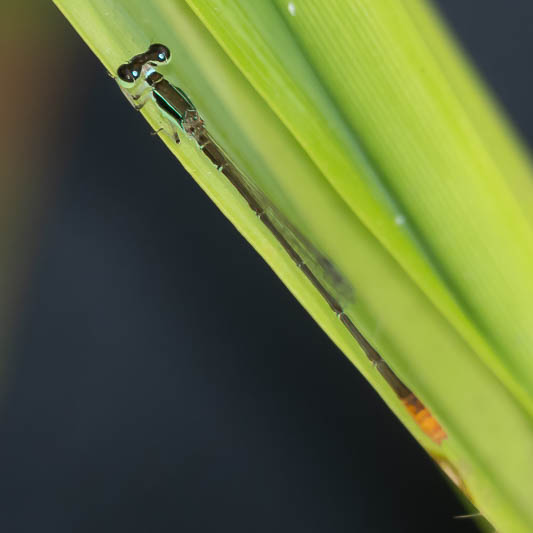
column 136, row 70
column 128, row 73
column 159, row 53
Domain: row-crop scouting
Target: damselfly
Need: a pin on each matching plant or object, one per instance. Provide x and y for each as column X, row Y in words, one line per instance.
column 178, row 108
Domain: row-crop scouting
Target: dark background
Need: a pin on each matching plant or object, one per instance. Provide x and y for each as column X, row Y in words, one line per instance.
column 160, row 377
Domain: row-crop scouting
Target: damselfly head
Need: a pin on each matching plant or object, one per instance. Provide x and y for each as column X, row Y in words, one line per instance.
column 158, row 53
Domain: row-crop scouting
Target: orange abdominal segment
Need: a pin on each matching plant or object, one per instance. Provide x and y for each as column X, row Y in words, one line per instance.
column 424, row 418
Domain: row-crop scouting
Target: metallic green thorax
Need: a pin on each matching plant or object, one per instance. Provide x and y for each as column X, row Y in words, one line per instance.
column 172, row 100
